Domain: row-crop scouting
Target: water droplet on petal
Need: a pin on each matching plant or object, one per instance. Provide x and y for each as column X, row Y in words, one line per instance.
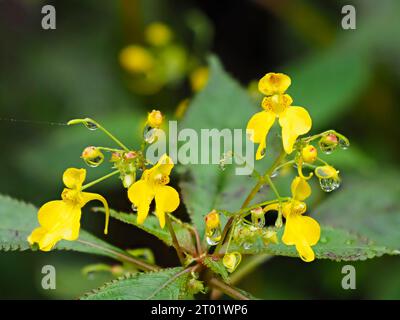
column 94, row 162
column 213, row 236
column 329, row 185
column 134, row 208
column 231, row 261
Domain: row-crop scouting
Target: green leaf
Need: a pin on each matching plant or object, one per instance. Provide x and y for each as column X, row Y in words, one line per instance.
column 327, row 83
column 206, row 187
column 335, row 244
column 167, row 284
column 18, row 219
column 217, row 267
column 152, row 226
column 367, row 206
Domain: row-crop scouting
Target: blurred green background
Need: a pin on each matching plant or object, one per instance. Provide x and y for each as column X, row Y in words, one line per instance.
column 74, row 72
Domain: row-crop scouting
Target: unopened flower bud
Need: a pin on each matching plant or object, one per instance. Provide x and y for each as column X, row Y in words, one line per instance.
column 155, row 119
column 309, row 153
column 212, row 220
column 130, row 155
column 92, row 156
column 231, row 261
column 328, row 143
column 195, row 286
column 115, row 157
column 269, row 236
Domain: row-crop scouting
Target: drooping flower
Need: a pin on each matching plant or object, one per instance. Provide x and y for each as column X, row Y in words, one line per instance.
column 301, row 231
column 294, row 121
column 60, row 219
column 153, row 185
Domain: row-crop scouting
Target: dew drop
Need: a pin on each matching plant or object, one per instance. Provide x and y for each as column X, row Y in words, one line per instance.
column 258, row 222
column 329, row 185
column 344, row 144
column 213, row 236
column 327, row 148
column 324, row 240
column 274, row 174
column 94, row 162
column 91, row 125
column 247, row 245
column 134, row 208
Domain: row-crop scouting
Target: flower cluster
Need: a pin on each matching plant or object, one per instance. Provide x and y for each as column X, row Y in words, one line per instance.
column 246, row 227
column 160, row 62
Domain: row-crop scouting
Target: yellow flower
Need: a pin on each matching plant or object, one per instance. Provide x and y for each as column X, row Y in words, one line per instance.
column 136, row 59
column 309, row 154
column 294, row 121
column 158, row 34
column 300, row 230
column 153, row 184
column 60, row 219
column 155, row 119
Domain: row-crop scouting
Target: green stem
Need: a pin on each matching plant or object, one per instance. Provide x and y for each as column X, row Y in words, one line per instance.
column 227, row 289
column 250, row 197
column 123, row 257
column 88, row 185
column 108, row 133
column 175, row 241
column 272, row 185
column 109, row 149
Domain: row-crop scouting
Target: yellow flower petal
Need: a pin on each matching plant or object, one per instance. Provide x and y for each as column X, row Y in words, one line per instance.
column 274, row 83
column 301, row 190
column 294, row 121
column 258, row 128
column 87, row 196
column 73, row 178
column 141, row 194
column 303, row 232
column 167, row 200
column 161, row 170
column 271, row 207
column 58, row 220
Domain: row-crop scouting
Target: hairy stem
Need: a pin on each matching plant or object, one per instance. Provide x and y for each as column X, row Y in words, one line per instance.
column 144, row 266
column 175, row 241
column 227, row 289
